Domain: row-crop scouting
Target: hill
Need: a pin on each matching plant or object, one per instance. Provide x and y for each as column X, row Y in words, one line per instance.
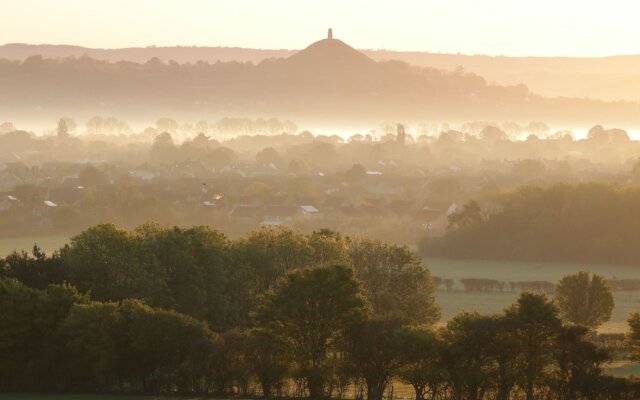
column 605, row 78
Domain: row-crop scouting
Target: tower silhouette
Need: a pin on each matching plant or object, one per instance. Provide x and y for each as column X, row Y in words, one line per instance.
column 330, row 34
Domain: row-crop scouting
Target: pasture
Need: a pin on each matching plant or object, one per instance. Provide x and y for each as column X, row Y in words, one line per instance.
column 458, row 300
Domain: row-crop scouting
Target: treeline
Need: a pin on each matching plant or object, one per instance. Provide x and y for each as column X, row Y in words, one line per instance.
column 494, row 285
column 591, row 222
column 200, row 272
column 278, row 313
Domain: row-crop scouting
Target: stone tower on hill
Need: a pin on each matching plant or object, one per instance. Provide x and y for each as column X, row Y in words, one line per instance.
column 330, row 34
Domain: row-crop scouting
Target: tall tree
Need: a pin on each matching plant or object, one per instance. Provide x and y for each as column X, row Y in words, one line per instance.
column 633, row 336
column 394, row 280
column 30, row 343
column 420, row 352
column 95, row 342
column 372, row 346
column 270, row 360
column 467, row 356
column 535, row 324
column 270, row 253
column 108, row 261
column 578, row 363
column 584, row 300
column 310, row 309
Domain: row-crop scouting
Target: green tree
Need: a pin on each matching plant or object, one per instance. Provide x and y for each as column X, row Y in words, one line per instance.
column 233, row 361
column 161, row 343
column 36, row 270
column 272, row 252
column 505, row 350
column 328, row 247
column 109, row 263
column 578, row 362
column 633, row 336
column 191, row 270
column 30, row 343
column 372, row 346
column 394, row 281
column 467, row 355
column 420, row 352
column 584, row 300
column 470, row 214
column 535, row 323
column 310, row 310
column 270, row 360
column 95, row 342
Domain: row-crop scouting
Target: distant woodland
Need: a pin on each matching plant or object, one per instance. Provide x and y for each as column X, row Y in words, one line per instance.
column 590, row 222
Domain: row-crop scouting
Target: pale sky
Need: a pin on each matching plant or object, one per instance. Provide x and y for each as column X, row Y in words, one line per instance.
column 496, row 27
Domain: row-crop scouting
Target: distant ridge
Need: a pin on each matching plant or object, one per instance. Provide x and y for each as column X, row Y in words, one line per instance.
column 606, row 78
column 327, row 81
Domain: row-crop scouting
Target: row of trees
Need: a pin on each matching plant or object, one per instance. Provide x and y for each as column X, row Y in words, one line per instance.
column 200, row 272
column 494, row 285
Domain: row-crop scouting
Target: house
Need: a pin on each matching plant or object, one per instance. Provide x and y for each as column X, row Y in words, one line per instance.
column 245, row 214
column 65, row 196
column 309, row 211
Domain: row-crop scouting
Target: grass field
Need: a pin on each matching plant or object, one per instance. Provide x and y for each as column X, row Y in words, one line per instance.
column 458, row 300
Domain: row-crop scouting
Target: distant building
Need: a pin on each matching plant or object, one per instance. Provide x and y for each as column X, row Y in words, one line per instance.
column 330, row 34
column 245, row 214
column 280, row 215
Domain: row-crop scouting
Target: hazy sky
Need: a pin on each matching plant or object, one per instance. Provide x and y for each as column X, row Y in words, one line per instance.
column 509, row 27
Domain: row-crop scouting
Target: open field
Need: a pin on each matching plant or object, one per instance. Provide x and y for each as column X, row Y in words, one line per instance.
column 458, row 300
